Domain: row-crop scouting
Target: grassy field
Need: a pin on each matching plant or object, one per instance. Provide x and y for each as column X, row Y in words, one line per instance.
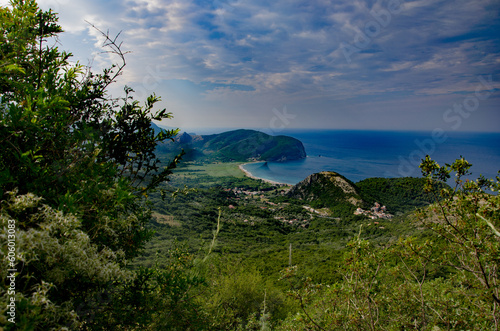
column 226, row 169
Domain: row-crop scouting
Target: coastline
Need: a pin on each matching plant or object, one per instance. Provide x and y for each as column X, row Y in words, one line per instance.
column 249, row 174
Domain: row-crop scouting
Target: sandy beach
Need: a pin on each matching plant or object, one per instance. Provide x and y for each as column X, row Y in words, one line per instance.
column 249, row 174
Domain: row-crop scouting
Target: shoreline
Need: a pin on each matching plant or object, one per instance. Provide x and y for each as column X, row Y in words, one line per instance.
column 250, row 175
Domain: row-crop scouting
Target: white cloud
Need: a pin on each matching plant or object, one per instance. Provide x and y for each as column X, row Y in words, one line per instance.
column 399, row 66
column 289, row 51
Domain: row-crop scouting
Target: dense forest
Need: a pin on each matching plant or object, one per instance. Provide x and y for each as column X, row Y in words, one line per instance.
column 99, row 230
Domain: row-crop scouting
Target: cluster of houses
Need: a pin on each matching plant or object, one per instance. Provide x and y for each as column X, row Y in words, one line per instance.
column 377, row 211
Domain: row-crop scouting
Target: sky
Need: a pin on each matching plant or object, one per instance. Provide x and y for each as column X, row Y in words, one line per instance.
column 284, row 64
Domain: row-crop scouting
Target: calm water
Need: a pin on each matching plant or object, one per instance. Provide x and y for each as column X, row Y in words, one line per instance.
column 361, row 154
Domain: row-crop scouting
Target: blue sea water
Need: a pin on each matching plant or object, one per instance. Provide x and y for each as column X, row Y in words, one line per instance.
column 362, row 154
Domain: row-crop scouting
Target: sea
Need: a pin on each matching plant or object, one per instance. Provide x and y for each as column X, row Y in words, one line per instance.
column 362, row 154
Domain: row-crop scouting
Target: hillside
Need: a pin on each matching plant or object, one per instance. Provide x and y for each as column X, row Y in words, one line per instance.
column 398, row 194
column 238, row 145
column 327, row 189
column 97, row 234
column 332, row 190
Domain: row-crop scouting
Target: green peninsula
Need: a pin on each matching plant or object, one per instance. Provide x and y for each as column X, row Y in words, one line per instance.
column 238, row 145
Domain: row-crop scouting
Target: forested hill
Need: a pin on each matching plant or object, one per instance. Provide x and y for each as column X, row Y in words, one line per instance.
column 333, row 191
column 238, row 145
column 327, row 189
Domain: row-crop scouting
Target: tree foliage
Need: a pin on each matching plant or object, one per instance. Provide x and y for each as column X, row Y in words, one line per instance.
column 448, row 280
column 74, row 165
column 399, row 195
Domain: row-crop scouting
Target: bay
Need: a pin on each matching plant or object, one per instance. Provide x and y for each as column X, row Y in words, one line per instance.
column 362, row 154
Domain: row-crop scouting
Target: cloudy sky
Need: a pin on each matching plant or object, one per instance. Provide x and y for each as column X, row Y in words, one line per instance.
column 339, row 64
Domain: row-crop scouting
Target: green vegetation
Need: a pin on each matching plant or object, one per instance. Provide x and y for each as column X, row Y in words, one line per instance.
column 349, row 272
column 400, row 195
column 74, row 167
column 219, row 169
column 445, row 279
column 328, row 189
column 238, row 145
column 105, row 238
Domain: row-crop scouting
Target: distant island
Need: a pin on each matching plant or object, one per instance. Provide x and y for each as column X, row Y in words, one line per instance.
column 237, row 145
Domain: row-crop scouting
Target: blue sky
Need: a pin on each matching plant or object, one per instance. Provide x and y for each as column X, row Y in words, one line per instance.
column 347, row 64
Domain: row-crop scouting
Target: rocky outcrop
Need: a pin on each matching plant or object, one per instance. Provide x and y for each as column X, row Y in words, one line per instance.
column 327, row 187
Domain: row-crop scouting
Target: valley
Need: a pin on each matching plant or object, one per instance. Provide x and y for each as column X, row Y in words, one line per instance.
column 260, row 220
